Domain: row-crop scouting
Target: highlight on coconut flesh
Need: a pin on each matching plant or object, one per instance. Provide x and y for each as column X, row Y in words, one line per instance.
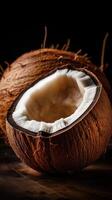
column 55, row 102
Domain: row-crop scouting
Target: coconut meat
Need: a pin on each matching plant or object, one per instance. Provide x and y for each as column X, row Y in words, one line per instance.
column 56, row 101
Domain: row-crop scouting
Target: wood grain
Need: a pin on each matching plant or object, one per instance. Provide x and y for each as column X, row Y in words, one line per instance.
column 17, row 181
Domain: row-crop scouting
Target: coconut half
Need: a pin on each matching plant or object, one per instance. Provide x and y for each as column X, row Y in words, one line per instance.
column 62, row 122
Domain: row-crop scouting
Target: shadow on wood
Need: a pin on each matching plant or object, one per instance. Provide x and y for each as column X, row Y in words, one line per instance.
column 17, row 181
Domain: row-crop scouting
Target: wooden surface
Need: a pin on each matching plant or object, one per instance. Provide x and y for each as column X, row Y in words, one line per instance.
column 17, row 181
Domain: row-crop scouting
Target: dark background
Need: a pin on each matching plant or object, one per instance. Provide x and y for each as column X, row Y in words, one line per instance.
column 16, row 40
column 22, row 27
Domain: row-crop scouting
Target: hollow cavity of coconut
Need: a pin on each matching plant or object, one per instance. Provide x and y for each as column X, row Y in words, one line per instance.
column 60, row 123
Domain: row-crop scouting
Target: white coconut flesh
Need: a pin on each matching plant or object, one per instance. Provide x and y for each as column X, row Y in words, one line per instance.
column 56, row 101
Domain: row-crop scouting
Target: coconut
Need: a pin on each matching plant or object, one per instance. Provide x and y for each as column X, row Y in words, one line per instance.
column 34, row 65
column 62, row 122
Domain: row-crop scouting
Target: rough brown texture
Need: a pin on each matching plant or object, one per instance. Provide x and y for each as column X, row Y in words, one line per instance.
column 34, row 65
column 68, row 150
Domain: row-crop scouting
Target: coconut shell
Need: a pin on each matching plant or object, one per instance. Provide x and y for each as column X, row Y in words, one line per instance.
column 34, row 65
column 70, row 149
